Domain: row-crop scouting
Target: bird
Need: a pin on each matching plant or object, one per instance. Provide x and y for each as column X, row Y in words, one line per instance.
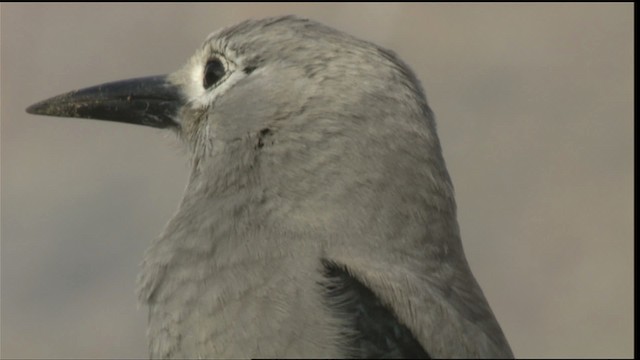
column 319, row 217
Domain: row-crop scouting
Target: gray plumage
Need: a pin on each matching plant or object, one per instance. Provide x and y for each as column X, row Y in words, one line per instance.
column 319, row 219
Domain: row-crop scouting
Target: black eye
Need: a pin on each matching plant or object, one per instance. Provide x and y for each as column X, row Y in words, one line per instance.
column 213, row 72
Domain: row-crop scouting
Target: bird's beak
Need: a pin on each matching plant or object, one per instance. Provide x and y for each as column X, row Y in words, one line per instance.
column 151, row 101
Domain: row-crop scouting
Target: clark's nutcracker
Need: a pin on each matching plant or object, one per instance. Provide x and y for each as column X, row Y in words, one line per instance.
column 319, row 219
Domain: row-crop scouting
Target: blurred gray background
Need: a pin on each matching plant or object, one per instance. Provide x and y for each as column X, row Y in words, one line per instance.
column 534, row 105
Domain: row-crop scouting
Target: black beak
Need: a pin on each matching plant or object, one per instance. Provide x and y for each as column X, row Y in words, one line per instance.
column 151, row 101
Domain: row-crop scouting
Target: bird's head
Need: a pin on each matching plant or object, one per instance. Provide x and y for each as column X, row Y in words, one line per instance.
column 300, row 103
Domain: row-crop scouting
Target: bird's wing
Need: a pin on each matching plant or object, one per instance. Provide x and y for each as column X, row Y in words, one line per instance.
column 374, row 330
column 444, row 312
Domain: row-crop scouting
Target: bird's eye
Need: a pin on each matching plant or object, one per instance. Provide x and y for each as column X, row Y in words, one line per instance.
column 213, row 72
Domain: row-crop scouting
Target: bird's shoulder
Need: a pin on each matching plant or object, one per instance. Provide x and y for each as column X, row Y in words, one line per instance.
column 373, row 330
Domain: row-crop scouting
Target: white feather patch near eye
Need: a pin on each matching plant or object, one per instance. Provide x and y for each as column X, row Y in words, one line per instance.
column 199, row 96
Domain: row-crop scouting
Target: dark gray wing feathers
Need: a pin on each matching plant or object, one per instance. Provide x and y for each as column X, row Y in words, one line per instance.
column 374, row 330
